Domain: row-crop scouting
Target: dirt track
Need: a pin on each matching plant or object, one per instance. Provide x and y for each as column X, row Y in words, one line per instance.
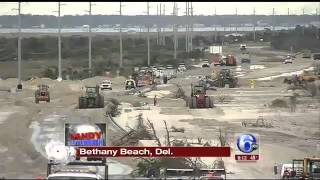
column 26, row 127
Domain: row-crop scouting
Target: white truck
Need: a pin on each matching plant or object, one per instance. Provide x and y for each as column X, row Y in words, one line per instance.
column 182, row 67
column 106, row 84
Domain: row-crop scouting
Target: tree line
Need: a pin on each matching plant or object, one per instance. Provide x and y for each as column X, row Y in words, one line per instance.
column 141, row 20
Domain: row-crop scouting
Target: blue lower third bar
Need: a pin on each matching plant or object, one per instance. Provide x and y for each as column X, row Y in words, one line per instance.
column 88, row 142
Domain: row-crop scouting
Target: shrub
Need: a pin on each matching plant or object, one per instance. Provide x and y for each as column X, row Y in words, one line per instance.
column 279, row 103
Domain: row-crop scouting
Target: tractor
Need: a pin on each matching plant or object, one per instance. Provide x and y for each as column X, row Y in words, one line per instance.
column 226, row 77
column 92, row 98
column 42, row 93
column 198, row 98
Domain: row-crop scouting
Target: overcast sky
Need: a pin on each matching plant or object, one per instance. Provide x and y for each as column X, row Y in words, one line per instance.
column 140, row 8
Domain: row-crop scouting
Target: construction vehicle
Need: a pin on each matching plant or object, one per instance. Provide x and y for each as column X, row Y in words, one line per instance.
column 216, row 59
column 199, row 98
column 205, row 63
column 76, row 170
column 306, row 53
column 226, row 78
column 307, row 168
column 42, row 93
column 243, row 47
column 231, row 60
column 144, row 78
column 130, row 84
column 182, row 67
column 92, row 98
column 316, row 56
column 245, row 58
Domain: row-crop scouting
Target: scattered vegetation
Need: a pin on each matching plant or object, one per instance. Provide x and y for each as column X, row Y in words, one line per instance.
column 279, row 103
column 113, row 107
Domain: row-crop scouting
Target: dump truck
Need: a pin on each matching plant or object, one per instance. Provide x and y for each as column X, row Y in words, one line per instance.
column 216, row 59
column 231, row 60
column 199, row 98
column 144, row 78
column 92, row 98
column 42, row 93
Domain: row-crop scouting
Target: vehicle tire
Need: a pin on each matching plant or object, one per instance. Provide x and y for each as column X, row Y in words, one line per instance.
column 101, row 105
column 207, row 102
column 211, row 102
column 80, row 103
column 36, row 101
column 48, row 100
column 194, row 102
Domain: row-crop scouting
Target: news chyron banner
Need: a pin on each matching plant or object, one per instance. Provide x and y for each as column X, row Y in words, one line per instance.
column 138, row 151
column 89, row 141
column 85, row 134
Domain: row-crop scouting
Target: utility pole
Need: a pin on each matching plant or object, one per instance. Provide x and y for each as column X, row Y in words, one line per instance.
column 148, row 35
column 236, row 17
column 174, row 32
column 120, row 36
column 90, row 40
column 19, row 85
column 158, row 34
column 59, row 42
column 273, row 28
column 160, row 27
column 215, row 26
column 186, row 26
column 164, row 33
column 288, row 17
column 191, row 33
column 19, row 46
column 254, row 24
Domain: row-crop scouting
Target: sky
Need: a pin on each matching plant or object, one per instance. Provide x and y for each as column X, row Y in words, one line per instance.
column 140, row 8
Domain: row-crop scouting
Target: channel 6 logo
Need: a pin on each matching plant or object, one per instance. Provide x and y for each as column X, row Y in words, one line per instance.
column 247, row 143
